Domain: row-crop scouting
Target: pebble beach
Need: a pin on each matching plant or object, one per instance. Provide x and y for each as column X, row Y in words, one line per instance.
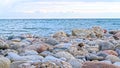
column 83, row 48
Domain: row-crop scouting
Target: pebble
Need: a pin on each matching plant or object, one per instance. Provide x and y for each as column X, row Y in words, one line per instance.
column 66, row 55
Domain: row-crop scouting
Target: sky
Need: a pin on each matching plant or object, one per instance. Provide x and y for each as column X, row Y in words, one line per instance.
column 59, row 9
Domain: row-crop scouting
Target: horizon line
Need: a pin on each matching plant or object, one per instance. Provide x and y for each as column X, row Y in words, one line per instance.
column 59, row 18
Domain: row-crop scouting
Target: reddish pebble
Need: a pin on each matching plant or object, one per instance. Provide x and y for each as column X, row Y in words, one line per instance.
column 92, row 64
column 111, row 52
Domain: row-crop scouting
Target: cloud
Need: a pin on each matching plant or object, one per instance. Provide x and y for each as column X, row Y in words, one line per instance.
column 37, row 9
column 65, row 7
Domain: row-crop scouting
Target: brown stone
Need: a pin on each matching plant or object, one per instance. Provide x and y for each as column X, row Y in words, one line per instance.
column 89, row 64
column 111, row 52
column 60, row 34
column 39, row 47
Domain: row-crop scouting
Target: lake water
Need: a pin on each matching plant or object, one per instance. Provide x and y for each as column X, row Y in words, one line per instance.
column 46, row 27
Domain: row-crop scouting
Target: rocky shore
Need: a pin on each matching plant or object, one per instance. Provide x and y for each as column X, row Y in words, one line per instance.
column 84, row 48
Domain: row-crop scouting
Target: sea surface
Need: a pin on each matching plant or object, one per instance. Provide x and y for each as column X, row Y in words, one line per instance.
column 46, row 27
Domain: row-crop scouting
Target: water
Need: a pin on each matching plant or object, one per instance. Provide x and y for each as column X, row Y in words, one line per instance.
column 46, row 27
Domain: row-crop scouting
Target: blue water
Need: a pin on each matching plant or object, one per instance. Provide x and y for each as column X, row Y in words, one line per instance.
column 46, row 27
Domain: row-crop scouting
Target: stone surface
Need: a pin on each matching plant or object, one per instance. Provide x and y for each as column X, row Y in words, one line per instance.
column 16, row 39
column 60, row 34
column 29, row 52
column 102, row 54
column 99, row 32
column 105, row 45
column 77, row 50
column 38, row 47
column 4, row 62
column 49, row 65
column 57, row 62
column 26, row 65
column 75, row 63
column 98, row 65
column 16, row 64
column 89, row 33
column 92, row 48
column 113, row 58
column 16, row 57
column 66, row 55
column 110, row 52
column 83, row 33
column 46, row 53
column 106, row 61
column 94, row 57
column 117, row 36
column 51, row 41
column 3, row 44
column 63, row 45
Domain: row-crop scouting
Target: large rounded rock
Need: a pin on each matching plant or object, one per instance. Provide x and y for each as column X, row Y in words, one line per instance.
column 16, row 39
column 16, row 64
column 98, row 65
column 13, row 56
column 60, row 34
column 60, row 63
column 75, row 63
column 89, row 33
column 117, row 49
column 16, row 57
column 66, row 55
column 63, row 45
column 4, row 62
column 3, row 44
column 99, row 32
column 83, row 33
column 92, row 47
column 38, row 47
column 94, row 57
column 78, row 50
column 51, row 41
column 18, row 45
column 105, row 45
column 51, row 58
column 49, row 65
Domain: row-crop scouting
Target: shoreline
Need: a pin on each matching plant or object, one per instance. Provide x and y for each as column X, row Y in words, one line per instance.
column 83, row 48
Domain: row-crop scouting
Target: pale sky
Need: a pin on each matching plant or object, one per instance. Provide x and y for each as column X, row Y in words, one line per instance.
column 59, row 9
